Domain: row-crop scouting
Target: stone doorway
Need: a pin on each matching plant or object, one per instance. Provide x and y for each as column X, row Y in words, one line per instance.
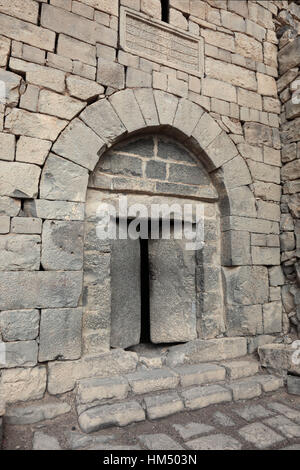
column 151, row 290
column 153, row 284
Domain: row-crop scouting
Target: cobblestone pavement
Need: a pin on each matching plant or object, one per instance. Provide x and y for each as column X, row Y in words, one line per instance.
column 271, row 422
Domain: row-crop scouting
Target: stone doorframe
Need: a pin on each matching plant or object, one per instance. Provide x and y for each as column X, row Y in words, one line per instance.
column 102, row 124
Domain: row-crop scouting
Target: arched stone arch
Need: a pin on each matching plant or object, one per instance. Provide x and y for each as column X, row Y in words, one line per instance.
column 102, row 124
column 129, row 113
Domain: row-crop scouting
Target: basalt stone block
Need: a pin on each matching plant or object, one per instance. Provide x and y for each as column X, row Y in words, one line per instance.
column 60, row 334
column 246, row 285
column 240, row 202
column 289, row 56
column 119, row 414
column 145, row 99
column 40, row 289
column 188, row 174
column 244, row 320
column 64, row 374
column 293, row 384
column 19, row 180
column 23, row 384
column 258, row 134
column 280, row 357
column 79, row 144
column 20, row 252
column 62, row 245
column 187, row 116
column 27, row 225
column 128, row 110
column 291, row 131
column 206, row 351
column 125, row 280
column 236, row 248
column 30, row 414
column 162, row 405
column 272, row 314
column 9, row 206
column 172, row 291
column 20, row 354
column 102, row 119
column 63, row 180
column 59, row 210
column 96, row 390
column 40, row 126
column 19, row 325
column 166, row 106
column 265, row 256
column 118, row 164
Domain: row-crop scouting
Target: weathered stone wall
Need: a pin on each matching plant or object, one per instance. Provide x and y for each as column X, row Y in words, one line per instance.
column 288, row 84
column 71, row 93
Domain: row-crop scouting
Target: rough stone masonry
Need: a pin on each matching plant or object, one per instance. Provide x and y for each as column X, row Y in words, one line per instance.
column 101, row 98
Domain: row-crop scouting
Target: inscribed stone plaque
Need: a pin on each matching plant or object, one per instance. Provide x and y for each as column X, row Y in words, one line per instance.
column 160, row 42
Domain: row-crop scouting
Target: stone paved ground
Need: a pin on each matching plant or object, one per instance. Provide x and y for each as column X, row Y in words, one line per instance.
column 271, row 422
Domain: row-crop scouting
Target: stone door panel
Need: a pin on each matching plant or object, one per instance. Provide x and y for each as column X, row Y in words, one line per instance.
column 172, row 292
column 126, row 293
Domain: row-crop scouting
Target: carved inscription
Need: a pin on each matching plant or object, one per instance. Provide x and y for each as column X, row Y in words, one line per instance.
column 161, row 43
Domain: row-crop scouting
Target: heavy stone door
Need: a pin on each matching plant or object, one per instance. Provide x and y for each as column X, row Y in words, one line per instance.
column 125, row 293
column 172, row 292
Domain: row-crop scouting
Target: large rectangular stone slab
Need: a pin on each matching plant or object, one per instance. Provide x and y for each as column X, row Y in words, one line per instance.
column 206, row 351
column 41, row 289
column 62, row 21
column 161, row 42
column 125, row 293
column 26, row 32
column 172, row 291
column 54, row 210
column 40, row 126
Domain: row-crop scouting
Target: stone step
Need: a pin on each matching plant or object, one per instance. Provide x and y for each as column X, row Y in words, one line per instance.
column 165, row 403
column 96, row 391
